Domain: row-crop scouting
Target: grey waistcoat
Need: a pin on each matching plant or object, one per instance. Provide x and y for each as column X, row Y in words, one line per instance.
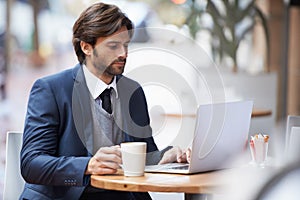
column 106, row 126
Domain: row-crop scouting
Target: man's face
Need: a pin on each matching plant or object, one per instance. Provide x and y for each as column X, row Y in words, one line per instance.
column 110, row 53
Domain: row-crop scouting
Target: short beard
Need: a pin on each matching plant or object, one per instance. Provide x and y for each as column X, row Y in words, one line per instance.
column 107, row 69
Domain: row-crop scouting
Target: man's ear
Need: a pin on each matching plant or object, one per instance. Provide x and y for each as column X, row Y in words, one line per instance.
column 86, row 48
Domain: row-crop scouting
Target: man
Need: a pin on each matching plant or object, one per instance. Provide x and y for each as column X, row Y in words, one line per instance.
column 70, row 132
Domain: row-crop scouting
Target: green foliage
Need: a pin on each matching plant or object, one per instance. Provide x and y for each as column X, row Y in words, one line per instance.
column 231, row 21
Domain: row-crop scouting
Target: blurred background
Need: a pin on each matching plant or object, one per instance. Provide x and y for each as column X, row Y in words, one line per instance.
column 254, row 45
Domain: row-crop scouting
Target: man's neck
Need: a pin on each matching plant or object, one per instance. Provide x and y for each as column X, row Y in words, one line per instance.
column 105, row 77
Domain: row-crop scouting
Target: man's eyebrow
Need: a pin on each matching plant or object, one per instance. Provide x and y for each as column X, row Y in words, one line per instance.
column 112, row 42
column 117, row 42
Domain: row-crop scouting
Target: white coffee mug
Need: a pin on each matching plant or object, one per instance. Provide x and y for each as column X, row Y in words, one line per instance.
column 133, row 158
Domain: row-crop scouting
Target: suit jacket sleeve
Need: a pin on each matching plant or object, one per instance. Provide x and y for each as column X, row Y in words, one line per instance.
column 40, row 160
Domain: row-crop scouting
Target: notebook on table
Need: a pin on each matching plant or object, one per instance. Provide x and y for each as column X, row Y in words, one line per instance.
column 221, row 134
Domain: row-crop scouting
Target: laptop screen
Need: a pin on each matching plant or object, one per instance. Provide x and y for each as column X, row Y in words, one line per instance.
column 221, row 133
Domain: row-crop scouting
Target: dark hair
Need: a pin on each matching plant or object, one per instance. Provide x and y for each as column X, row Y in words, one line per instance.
column 98, row 20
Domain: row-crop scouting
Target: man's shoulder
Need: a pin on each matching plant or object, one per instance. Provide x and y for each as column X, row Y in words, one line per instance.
column 64, row 75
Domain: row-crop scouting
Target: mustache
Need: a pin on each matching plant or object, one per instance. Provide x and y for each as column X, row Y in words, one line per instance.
column 120, row 60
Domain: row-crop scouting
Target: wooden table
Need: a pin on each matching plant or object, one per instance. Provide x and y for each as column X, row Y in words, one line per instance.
column 203, row 183
column 255, row 113
column 240, row 182
column 261, row 113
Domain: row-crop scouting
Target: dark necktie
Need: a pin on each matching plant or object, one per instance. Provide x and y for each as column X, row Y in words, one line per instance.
column 105, row 97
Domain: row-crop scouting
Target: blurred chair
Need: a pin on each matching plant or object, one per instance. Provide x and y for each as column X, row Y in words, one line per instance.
column 292, row 138
column 293, row 147
column 13, row 181
column 283, row 185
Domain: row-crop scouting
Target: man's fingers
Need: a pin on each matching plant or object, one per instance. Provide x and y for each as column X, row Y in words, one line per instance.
column 111, row 150
column 181, row 157
column 188, row 155
column 185, row 156
column 111, row 165
column 105, row 171
column 101, row 167
column 176, row 155
column 101, row 157
column 106, row 161
column 112, row 154
column 171, row 155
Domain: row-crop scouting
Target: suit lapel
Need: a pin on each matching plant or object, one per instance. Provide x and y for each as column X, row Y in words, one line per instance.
column 81, row 106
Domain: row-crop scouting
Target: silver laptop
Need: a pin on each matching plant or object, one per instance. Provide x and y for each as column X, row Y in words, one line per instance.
column 221, row 134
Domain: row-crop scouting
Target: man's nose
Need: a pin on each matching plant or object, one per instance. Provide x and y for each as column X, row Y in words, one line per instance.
column 123, row 52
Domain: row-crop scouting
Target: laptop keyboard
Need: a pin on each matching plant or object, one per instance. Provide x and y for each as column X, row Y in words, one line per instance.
column 169, row 166
column 184, row 167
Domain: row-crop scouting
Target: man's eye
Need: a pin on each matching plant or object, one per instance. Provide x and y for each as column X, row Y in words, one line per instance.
column 113, row 47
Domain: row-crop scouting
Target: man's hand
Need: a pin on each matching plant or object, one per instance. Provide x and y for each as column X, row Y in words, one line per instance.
column 107, row 160
column 176, row 155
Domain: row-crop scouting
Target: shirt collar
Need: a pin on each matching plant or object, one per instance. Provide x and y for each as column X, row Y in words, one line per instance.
column 95, row 85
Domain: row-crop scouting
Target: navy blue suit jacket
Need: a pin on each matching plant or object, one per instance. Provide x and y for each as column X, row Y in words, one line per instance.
column 58, row 133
